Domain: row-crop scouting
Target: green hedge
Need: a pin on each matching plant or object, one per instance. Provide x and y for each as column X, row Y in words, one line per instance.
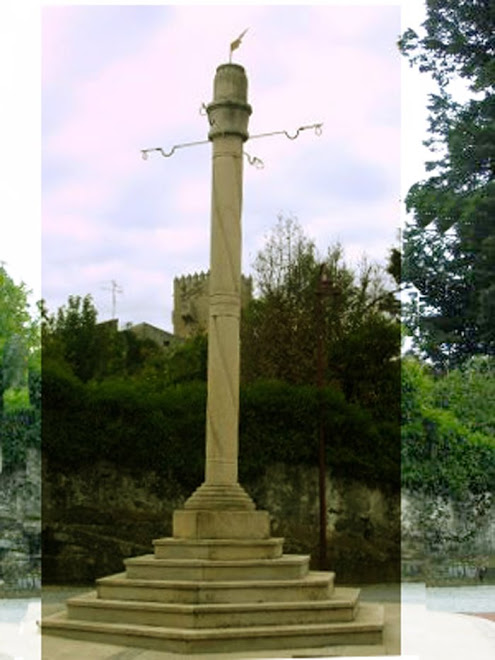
column 165, row 430
column 441, row 456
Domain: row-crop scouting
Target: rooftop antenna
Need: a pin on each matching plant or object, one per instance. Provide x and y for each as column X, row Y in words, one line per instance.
column 115, row 289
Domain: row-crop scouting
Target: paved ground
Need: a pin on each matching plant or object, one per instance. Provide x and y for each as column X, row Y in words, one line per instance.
column 426, row 634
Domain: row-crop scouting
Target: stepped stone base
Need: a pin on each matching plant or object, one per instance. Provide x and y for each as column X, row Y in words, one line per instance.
column 365, row 629
column 176, row 548
column 199, row 595
column 216, row 524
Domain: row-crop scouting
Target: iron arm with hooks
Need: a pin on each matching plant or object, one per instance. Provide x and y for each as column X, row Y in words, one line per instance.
column 252, row 160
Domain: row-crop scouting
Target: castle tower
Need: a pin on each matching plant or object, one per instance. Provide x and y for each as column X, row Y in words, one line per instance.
column 191, row 303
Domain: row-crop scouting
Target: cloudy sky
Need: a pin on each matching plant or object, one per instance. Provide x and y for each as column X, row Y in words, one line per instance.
column 118, row 79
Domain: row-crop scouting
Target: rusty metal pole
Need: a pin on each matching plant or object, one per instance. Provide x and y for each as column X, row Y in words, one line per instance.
column 321, row 355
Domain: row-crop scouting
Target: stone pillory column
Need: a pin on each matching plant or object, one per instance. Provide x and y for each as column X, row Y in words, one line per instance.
column 221, row 584
column 220, row 508
column 228, row 115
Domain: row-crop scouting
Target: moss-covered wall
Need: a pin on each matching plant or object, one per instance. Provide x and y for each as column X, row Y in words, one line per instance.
column 95, row 518
column 20, row 527
column 446, row 540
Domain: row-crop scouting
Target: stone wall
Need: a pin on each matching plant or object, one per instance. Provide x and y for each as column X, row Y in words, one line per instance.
column 20, row 527
column 446, row 541
column 94, row 519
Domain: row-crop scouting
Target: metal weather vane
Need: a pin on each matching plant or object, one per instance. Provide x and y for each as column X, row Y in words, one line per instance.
column 236, row 43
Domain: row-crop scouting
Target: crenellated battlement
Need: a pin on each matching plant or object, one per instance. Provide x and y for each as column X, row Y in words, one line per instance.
column 191, row 302
column 185, row 281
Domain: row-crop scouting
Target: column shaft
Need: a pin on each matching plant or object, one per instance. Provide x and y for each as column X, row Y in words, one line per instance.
column 225, row 303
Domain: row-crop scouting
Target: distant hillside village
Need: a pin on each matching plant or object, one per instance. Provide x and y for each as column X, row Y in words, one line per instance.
column 190, row 315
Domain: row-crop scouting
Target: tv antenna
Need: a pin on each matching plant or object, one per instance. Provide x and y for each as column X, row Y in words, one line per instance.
column 115, row 289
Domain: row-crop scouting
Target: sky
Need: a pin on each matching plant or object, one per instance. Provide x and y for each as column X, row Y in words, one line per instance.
column 87, row 214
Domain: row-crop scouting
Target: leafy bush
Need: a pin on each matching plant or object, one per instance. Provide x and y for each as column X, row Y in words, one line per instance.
column 19, row 429
column 165, row 430
column 442, row 452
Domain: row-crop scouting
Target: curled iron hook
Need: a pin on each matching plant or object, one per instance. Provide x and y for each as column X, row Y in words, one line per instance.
column 317, row 129
column 254, row 160
column 145, row 152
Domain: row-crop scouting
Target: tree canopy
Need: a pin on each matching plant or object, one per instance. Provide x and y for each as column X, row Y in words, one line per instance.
column 20, row 363
column 449, row 245
column 353, row 311
column 19, row 334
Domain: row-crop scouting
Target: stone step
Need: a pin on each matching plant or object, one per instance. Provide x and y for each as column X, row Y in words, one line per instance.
column 218, row 549
column 148, row 567
column 315, row 585
column 88, row 607
column 365, row 629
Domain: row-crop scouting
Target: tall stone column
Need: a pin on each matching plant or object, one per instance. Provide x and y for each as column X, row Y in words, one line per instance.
column 228, row 115
column 221, row 495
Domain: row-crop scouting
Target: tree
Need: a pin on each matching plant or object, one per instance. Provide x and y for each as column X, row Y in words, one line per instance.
column 449, row 245
column 359, row 317
column 278, row 328
column 19, row 338
column 469, row 392
column 73, row 338
column 20, row 417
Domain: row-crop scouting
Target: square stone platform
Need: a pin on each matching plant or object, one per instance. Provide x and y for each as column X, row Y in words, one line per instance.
column 196, row 595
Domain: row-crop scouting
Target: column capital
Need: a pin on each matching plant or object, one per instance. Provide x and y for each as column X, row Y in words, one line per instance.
column 229, row 111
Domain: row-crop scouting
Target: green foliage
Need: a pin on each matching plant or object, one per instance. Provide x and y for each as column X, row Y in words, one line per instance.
column 164, row 430
column 74, row 337
column 19, row 358
column 15, row 320
column 303, row 297
column 187, row 362
column 443, row 450
column 16, row 399
column 119, row 420
column 469, row 393
column 453, row 272
column 97, row 351
column 19, row 335
column 34, row 388
column 458, row 42
column 19, row 429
